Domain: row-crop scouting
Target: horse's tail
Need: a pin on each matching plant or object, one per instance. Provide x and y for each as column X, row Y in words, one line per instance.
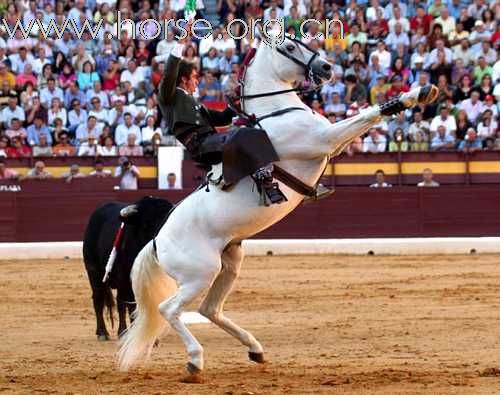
column 151, row 286
column 109, row 302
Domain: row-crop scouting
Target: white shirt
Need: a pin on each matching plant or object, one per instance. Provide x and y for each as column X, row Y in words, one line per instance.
column 122, row 131
column 135, row 78
column 384, row 58
column 7, row 115
column 450, row 124
column 102, row 150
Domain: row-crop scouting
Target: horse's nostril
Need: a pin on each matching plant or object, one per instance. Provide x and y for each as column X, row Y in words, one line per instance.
column 327, row 67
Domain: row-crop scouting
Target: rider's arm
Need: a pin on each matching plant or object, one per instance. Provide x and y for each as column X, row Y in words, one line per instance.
column 221, row 118
column 167, row 85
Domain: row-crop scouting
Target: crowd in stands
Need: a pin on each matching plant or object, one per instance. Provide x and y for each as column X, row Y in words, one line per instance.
column 97, row 97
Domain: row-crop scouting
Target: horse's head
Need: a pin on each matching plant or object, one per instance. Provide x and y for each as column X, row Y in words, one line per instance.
column 292, row 61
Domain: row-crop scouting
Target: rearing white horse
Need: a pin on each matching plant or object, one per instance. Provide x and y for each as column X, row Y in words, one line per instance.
column 199, row 247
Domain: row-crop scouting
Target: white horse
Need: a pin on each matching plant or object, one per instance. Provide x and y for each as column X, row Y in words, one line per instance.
column 199, row 247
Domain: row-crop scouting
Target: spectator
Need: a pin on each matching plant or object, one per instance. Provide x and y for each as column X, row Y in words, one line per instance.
column 171, row 181
column 131, row 148
column 128, row 173
column 87, row 76
column 399, row 143
column 123, row 130
column 471, row 143
column 473, row 106
column 133, row 74
column 419, row 144
column 419, row 125
column 90, row 128
column 427, row 179
column 399, row 122
column 64, row 148
column 5, row 173
column 89, row 147
column 374, row 142
column 56, row 111
column 12, row 111
column 488, row 126
column 51, row 91
column 42, row 148
column 108, row 148
column 6, row 75
column 380, row 180
column 4, row 144
column 210, row 89
column 99, row 170
column 76, row 116
column 444, row 119
column 443, row 141
column 74, row 172
column 149, row 130
column 38, row 172
column 16, row 130
column 463, row 124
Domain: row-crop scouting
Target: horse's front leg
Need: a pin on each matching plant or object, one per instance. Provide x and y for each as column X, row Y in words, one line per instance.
column 213, row 304
column 336, row 137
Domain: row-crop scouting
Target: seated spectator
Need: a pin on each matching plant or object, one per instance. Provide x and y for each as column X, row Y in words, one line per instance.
column 4, row 144
column 444, row 119
column 76, row 116
column 26, row 76
column 11, row 111
column 131, row 148
column 87, row 76
column 399, row 143
column 397, row 87
column 73, row 93
column 399, row 122
column 380, row 180
column 419, row 144
column 443, row 141
column 67, row 76
column 7, row 76
column 482, row 68
column 108, row 148
column 336, row 107
column 210, row 88
column 149, row 130
column 56, row 111
column 43, row 148
column 16, row 130
column 211, row 61
column 374, row 142
column 124, row 129
column 471, row 143
column 486, row 87
column 51, row 91
column 64, row 148
column 34, row 131
column 427, row 179
column 98, row 92
column 38, row 172
column 463, row 124
column 74, row 172
column 128, row 173
column 99, row 112
column 488, row 126
column 379, row 88
column 18, row 149
column 355, row 147
column 489, row 104
column 473, row 106
column 89, row 147
column 7, row 174
column 99, row 170
column 226, row 62
column 489, row 144
column 497, row 140
column 87, row 129
column 133, row 74
column 418, row 125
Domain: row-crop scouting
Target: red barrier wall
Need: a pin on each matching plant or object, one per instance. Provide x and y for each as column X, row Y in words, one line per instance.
column 61, row 212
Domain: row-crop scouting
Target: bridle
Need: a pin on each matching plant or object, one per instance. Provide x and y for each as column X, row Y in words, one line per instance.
column 306, row 66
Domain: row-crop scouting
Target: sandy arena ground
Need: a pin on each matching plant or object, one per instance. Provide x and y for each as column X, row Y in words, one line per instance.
column 335, row 324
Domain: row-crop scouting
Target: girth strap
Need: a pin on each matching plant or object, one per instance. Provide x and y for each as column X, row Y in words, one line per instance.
column 279, row 112
column 293, row 182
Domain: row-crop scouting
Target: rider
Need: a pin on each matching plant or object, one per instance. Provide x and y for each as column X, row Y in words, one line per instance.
column 194, row 125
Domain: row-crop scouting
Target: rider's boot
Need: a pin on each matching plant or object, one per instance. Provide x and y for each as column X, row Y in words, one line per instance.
column 268, row 189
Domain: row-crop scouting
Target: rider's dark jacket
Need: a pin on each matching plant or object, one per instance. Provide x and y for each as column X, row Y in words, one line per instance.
column 187, row 119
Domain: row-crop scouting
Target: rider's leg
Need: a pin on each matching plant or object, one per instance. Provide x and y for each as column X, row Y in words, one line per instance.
column 268, row 188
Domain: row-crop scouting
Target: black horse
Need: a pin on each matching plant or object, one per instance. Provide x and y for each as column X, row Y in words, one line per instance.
column 142, row 221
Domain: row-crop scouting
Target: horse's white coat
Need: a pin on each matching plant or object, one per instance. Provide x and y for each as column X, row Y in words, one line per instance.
column 199, row 246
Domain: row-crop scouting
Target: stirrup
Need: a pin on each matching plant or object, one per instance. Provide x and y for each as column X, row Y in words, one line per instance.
column 322, row 192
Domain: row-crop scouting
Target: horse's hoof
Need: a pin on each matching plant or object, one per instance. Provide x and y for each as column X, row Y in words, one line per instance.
column 256, row 357
column 102, row 338
column 193, row 379
column 192, row 368
column 428, row 94
column 194, row 376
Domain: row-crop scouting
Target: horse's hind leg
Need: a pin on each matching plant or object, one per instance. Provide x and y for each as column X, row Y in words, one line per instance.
column 192, row 280
column 213, row 304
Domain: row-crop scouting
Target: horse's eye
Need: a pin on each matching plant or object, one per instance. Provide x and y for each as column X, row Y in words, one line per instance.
column 290, row 47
